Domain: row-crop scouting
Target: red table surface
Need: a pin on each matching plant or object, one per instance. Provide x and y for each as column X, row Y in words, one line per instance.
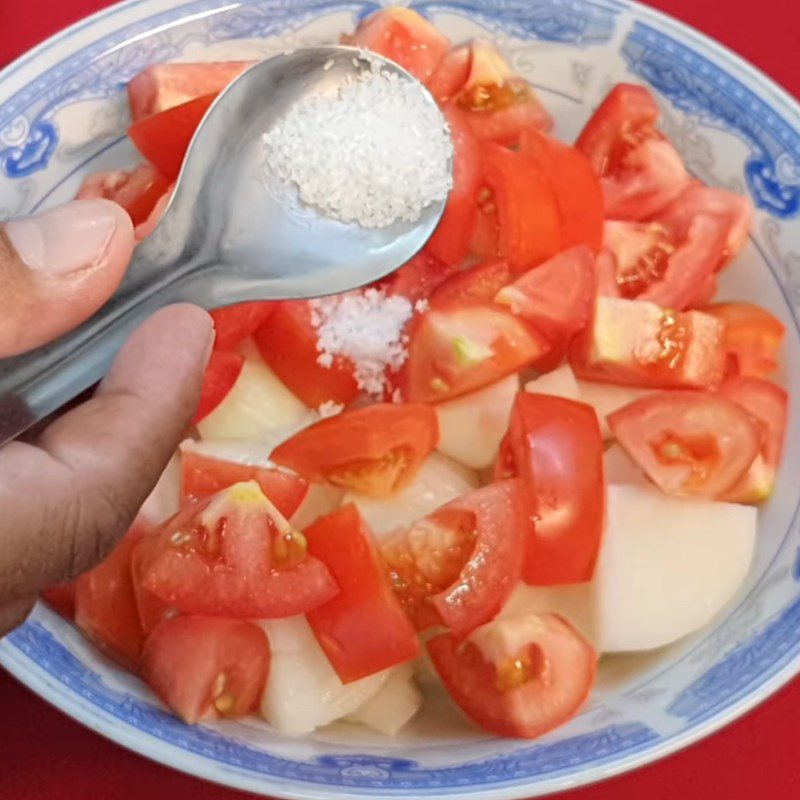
column 47, row 756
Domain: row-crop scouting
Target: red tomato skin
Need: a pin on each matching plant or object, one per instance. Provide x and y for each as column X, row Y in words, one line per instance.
column 364, row 629
column 478, row 284
column 753, row 338
column 405, row 37
column 640, row 171
column 729, row 437
column 287, row 342
column 557, row 296
column 503, row 523
column 160, row 87
column 527, row 212
column 203, row 476
column 401, row 434
column 528, row 710
column 577, row 189
column 233, row 324
column 452, row 238
column 61, row 598
column 556, row 447
column 137, row 191
column 240, row 576
column 417, row 279
column 431, row 359
column 222, row 372
column 164, row 138
column 105, row 603
column 184, row 658
column 769, row 404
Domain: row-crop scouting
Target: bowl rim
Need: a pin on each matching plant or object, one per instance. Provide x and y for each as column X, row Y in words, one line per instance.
column 48, row 688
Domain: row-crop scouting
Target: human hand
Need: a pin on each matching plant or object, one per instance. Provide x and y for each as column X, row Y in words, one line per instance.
column 69, row 495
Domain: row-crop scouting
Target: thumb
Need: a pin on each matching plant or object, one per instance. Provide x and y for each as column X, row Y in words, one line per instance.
column 65, row 503
column 57, row 268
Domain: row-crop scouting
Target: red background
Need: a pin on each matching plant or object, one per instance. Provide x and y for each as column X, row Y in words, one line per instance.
column 46, row 756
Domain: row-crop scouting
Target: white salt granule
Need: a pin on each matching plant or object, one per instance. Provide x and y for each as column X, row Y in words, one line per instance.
column 375, row 153
column 330, row 408
column 366, row 327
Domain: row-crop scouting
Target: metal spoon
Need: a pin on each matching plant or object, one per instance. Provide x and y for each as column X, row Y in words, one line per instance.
column 226, row 236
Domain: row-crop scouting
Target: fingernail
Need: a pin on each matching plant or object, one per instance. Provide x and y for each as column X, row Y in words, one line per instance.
column 66, row 239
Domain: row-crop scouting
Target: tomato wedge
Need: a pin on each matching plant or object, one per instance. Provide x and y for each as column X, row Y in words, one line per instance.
column 451, row 239
column 753, row 338
column 640, row 171
column 577, row 189
column 105, row 603
column 287, row 342
column 376, row 450
column 689, row 443
column 164, row 138
column 458, row 349
column 234, row 555
column 164, row 86
column 137, row 191
column 769, row 404
column 520, row 676
column 152, row 610
column 203, row 476
column 458, row 566
column 557, row 297
column 526, row 207
column 61, row 598
column 641, row 344
column 498, row 105
column 417, row 279
column 734, row 211
column 451, row 73
column 405, row 37
column 478, row 284
column 222, row 372
column 556, row 447
column 364, row 629
column 234, row 324
column 670, row 268
column 205, row 667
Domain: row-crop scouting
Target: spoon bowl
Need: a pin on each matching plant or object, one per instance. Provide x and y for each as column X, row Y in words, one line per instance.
column 232, row 232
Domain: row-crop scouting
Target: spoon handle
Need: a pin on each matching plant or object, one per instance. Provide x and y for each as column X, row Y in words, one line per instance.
column 36, row 384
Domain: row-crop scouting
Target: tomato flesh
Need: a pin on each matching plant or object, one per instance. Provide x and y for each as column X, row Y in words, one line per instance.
column 164, row 138
column 137, row 191
column 557, row 297
column 222, row 372
column 459, row 349
column 640, row 171
column 163, row 86
column 287, row 342
column 105, row 602
column 640, row 344
column 556, row 447
column 417, row 279
column 203, row 476
column 233, row 324
column 688, row 443
column 405, row 37
column 375, row 450
column 206, row 667
column 233, row 555
column 769, row 404
column 478, row 284
column 458, row 566
column 520, row 676
column 61, row 598
column 753, row 338
column 364, row 629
